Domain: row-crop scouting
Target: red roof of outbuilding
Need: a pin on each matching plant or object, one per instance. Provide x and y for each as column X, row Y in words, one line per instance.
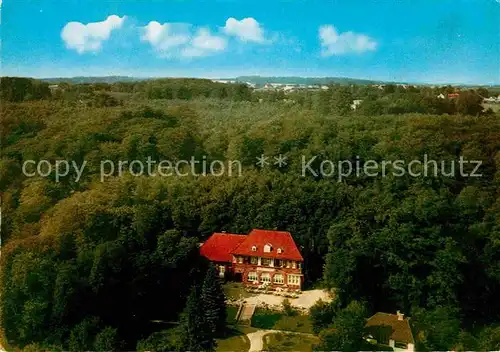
column 218, row 247
column 277, row 239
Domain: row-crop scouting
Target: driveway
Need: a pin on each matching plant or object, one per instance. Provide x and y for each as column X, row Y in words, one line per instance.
column 308, row 298
column 257, row 340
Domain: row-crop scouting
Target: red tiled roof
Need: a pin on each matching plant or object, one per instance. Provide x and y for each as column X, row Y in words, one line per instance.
column 277, row 239
column 218, row 247
column 401, row 331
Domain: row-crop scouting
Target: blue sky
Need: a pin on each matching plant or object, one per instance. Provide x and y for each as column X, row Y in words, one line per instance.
column 434, row 41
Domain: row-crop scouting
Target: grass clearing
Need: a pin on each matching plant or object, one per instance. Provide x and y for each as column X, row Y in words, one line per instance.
column 289, row 342
column 234, row 340
column 276, row 320
column 231, row 312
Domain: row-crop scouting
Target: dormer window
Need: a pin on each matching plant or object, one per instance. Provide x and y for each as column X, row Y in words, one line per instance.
column 267, row 248
column 254, row 248
column 280, row 250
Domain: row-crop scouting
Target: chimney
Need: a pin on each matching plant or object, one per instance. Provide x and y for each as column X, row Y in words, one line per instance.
column 400, row 315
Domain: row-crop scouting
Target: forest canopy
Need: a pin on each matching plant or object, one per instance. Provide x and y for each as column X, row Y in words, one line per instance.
column 98, row 258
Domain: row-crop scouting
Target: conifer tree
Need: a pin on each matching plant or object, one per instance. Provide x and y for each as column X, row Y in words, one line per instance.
column 194, row 331
column 214, row 301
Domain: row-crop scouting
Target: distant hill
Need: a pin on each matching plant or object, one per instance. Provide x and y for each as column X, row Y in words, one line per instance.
column 261, row 80
column 258, row 80
column 84, row 79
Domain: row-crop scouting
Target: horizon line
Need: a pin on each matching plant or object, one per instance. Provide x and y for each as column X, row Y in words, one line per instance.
column 491, row 84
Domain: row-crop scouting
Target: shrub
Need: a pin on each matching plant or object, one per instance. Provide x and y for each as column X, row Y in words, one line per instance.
column 321, row 315
column 287, row 308
column 106, row 340
column 166, row 340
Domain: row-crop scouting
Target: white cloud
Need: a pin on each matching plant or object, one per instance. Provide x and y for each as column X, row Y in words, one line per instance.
column 167, row 36
column 333, row 43
column 203, row 44
column 247, row 29
column 89, row 37
column 177, row 40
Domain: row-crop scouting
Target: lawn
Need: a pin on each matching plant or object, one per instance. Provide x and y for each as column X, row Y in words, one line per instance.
column 233, row 341
column 231, row 312
column 271, row 319
column 289, row 342
column 235, row 290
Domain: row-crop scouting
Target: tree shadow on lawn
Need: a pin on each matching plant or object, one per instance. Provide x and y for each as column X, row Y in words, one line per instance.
column 231, row 312
column 231, row 331
column 265, row 319
column 233, row 339
column 276, row 320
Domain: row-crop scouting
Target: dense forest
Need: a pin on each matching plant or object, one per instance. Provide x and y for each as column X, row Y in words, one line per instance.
column 88, row 263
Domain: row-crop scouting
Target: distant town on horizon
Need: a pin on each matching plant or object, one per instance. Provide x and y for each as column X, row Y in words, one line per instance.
column 257, row 80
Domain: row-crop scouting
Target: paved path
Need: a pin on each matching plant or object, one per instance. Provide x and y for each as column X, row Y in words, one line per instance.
column 246, row 313
column 257, row 338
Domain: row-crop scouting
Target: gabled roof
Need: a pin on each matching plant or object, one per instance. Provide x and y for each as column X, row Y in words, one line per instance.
column 401, row 331
column 277, row 239
column 218, row 247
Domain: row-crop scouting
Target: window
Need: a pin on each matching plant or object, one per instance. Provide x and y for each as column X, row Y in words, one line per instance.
column 265, row 277
column 254, row 248
column 278, row 279
column 252, row 276
column 287, row 263
column 294, row 279
column 240, row 260
column 266, row 261
column 278, row 263
column 280, row 250
column 268, row 248
column 294, row 265
column 254, row 260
